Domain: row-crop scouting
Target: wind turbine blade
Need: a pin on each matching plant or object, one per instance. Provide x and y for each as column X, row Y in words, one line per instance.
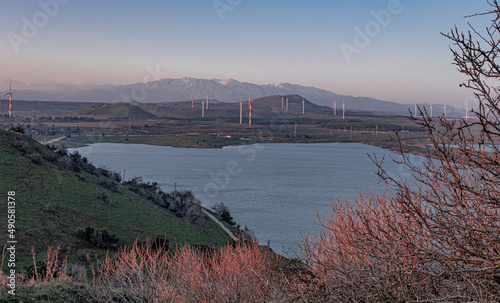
column 10, row 85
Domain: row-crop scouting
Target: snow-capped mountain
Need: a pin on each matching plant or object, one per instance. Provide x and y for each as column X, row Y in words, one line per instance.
column 230, row 90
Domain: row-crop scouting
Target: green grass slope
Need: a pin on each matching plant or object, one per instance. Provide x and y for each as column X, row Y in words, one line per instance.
column 53, row 202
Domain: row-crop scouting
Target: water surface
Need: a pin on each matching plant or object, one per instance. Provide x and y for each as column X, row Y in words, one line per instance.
column 274, row 189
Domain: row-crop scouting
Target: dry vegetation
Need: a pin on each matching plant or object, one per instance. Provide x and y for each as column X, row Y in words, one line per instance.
column 436, row 239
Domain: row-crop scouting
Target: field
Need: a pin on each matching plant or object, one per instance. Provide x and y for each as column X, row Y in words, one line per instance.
column 181, row 124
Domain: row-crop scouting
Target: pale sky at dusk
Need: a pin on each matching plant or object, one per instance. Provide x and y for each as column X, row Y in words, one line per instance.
column 406, row 59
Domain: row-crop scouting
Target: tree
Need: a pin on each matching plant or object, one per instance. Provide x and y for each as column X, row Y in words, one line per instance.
column 438, row 237
column 223, row 213
column 17, row 129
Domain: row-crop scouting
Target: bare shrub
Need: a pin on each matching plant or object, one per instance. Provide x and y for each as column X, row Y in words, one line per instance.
column 65, row 162
column 184, row 204
column 51, row 269
column 115, row 176
column 36, row 158
column 240, row 273
column 17, row 129
column 243, row 273
column 108, row 183
column 49, row 280
column 436, row 238
column 248, row 234
column 102, row 195
column 50, row 156
column 371, row 250
column 77, row 272
column 99, row 238
column 22, row 146
column 222, row 212
column 137, row 275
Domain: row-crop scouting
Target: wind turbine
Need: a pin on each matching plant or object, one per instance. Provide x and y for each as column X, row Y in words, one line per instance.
column 343, row 110
column 249, row 112
column 1, row 96
column 241, row 111
column 10, row 98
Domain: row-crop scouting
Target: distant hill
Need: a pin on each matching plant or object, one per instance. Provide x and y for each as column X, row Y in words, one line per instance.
column 58, row 195
column 116, row 110
column 230, row 90
column 267, row 107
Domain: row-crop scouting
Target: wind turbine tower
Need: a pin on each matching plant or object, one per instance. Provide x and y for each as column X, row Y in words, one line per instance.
column 202, row 109
column 334, row 107
column 207, row 101
column 303, row 105
column 343, row 110
column 444, row 110
column 286, row 105
column 249, row 113
column 431, row 110
column 10, row 98
column 192, row 101
column 466, row 113
column 281, row 102
column 241, row 111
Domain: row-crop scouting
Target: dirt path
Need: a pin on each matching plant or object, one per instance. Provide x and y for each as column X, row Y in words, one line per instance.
column 52, row 140
column 220, row 224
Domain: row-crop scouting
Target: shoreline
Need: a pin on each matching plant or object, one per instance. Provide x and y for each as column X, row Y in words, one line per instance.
column 414, row 146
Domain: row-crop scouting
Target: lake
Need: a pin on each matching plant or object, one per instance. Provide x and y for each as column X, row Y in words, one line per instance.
column 274, row 189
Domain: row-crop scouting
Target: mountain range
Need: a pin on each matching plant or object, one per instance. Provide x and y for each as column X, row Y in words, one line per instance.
column 230, row 90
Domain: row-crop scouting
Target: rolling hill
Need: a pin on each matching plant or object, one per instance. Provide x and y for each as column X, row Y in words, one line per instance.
column 230, row 90
column 57, row 196
column 114, row 110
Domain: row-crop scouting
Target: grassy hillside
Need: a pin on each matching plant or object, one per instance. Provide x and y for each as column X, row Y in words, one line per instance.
column 54, row 199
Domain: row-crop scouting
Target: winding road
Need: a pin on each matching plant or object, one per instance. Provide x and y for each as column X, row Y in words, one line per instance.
column 52, row 140
column 220, row 224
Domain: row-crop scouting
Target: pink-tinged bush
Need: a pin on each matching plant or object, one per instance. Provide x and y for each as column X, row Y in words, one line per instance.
column 244, row 272
column 437, row 238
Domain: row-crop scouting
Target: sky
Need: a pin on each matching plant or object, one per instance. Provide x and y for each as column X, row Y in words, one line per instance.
column 386, row 49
